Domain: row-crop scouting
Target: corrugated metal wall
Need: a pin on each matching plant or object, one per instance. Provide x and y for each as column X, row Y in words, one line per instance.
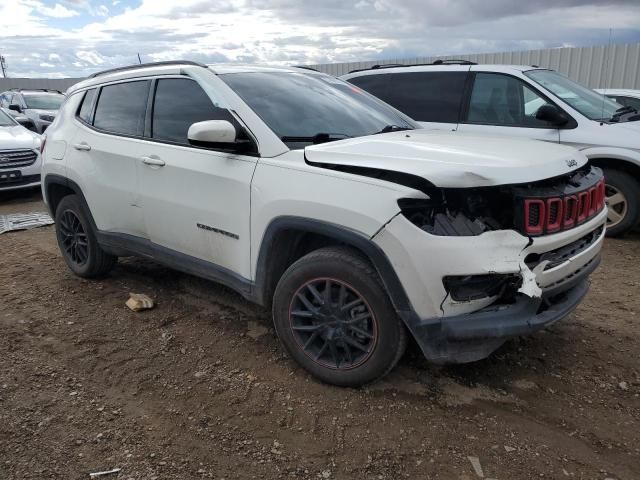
column 615, row 66
column 53, row 83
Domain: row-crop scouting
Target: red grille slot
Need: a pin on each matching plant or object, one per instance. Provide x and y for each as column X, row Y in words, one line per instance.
column 534, row 213
column 570, row 211
column 554, row 214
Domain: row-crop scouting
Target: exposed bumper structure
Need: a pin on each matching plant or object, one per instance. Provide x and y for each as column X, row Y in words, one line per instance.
column 553, row 278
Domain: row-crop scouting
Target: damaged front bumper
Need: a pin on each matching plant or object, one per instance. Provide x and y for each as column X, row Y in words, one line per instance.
column 552, row 272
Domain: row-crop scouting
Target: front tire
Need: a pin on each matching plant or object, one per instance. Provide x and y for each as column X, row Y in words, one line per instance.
column 77, row 241
column 335, row 319
column 622, row 196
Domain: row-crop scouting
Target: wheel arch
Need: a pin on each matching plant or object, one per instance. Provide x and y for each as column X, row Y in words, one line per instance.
column 288, row 238
column 56, row 187
column 622, row 164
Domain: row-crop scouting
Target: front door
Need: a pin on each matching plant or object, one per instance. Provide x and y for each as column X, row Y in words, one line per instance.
column 196, row 201
column 502, row 104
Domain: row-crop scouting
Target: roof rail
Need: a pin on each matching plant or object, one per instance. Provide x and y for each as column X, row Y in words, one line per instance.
column 453, row 61
column 395, row 65
column 151, row 64
column 35, row 90
column 377, row 67
column 306, row 67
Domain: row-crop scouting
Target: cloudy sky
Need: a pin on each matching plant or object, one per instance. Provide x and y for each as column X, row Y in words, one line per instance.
column 58, row 38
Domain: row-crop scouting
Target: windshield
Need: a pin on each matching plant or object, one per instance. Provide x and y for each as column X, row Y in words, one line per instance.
column 6, row 120
column 592, row 105
column 310, row 108
column 47, row 101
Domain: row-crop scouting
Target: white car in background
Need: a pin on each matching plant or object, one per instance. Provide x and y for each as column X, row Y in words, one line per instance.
column 625, row 97
column 522, row 101
column 19, row 155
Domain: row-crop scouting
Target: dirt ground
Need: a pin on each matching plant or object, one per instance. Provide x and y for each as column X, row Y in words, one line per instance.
column 199, row 387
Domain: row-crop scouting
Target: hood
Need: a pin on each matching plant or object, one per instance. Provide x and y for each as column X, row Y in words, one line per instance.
column 18, row 137
column 452, row 159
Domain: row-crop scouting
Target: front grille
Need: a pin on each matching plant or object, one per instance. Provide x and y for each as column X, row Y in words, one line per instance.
column 555, row 208
column 17, row 158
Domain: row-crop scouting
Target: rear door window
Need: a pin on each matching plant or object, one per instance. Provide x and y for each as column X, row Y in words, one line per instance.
column 424, row 96
column 121, row 108
column 179, row 103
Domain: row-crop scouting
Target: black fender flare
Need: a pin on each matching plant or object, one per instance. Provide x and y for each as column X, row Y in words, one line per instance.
column 54, row 179
column 340, row 233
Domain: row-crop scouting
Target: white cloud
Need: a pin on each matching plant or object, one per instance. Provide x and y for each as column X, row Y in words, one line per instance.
column 57, row 11
column 300, row 31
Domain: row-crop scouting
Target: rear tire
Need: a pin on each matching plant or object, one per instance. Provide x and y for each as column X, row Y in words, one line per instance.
column 335, row 319
column 77, row 240
column 623, row 201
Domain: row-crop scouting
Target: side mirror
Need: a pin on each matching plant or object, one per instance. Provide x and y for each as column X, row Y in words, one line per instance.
column 15, row 107
column 212, row 132
column 552, row 114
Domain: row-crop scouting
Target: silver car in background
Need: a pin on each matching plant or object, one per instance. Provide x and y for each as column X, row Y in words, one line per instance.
column 40, row 106
column 19, row 155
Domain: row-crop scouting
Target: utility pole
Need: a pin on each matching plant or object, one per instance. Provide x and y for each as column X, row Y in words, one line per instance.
column 139, row 59
column 3, row 65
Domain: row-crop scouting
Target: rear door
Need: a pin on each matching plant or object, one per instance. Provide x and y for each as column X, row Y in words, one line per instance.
column 503, row 104
column 433, row 97
column 196, row 201
column 104, row 153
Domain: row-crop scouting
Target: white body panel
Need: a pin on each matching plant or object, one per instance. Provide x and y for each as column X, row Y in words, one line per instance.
column 452, row 159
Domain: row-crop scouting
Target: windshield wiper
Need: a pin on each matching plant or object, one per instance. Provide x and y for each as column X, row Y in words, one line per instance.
column 622, row 111
column 316, row 139
column 393, row 128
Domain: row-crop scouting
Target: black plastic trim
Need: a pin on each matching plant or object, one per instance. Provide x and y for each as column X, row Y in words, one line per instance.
column 123, row 244
column 341, row 234
column 143, row 65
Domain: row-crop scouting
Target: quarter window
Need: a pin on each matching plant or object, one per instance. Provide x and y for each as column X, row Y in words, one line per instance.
column 178, row 104
column 504, row 100
column 87, row 102
column 424, row 96
column 121, row 108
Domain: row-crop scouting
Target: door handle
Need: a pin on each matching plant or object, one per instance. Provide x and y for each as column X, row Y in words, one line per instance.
column 153, row 161
column 83, row 147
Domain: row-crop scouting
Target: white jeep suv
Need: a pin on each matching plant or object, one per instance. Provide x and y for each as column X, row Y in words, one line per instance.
column 312, row 197
column 522, row 101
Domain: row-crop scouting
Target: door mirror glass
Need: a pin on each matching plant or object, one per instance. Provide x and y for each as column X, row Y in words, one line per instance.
column 15, row 107
column 552, row 114
column 211, row 132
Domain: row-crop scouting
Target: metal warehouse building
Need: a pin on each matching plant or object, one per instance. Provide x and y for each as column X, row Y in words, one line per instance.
column 606, row 66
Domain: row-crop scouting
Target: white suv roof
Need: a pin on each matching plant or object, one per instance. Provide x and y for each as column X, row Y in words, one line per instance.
column 439, row 67
column 173, row 67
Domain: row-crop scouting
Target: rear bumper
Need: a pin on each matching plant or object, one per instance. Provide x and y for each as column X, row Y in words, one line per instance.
column 473, row 336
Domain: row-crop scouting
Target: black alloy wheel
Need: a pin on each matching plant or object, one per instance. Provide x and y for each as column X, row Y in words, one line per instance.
column 333, row 324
